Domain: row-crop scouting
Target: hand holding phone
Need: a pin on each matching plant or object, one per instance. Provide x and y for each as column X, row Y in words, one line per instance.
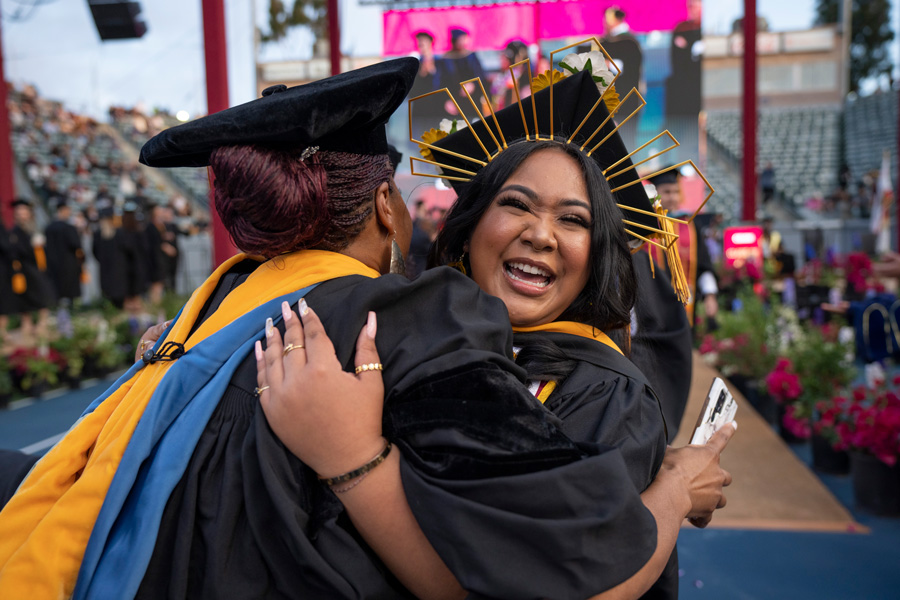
column 718, row 409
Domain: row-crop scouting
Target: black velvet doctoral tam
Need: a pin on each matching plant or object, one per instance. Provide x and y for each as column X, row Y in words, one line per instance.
column 344, row 113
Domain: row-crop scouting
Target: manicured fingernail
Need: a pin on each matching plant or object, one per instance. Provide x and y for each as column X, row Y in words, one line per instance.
column 259, row 352
column 371, row 325
column 286, row 311
column 269, row 327
column 304, row 309
column 734, row 424
column 167, row 323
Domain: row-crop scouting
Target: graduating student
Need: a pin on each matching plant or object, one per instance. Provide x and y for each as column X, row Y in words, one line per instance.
column 692, row 250
column 31, row 285
column 539, row 228
column 108, row 249
column 7, row 299
column 65, row 256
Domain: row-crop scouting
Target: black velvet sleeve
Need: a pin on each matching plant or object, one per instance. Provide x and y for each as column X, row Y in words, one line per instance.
column 512, row 505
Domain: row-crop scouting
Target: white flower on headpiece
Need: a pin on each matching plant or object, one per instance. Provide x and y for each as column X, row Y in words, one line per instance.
column 451, row 125
column 595, row 61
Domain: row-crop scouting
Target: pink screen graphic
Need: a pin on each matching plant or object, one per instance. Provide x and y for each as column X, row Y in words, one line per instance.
column 492, row 27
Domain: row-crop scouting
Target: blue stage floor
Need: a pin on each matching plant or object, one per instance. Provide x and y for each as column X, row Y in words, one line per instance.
column 764, row 565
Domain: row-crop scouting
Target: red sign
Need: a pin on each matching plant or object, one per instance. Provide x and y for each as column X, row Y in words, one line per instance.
column 742, row 245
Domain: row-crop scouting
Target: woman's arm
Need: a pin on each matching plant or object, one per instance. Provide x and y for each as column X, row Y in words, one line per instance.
column 375, row 502
column 689, row 485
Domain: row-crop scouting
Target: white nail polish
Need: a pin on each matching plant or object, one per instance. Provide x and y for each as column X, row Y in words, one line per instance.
column 269, row 327
column 371, row 325
column 286, row 311
column 304, row 309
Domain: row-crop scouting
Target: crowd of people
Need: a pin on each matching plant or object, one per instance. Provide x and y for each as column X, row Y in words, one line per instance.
column 136, row 252
column 94, row 227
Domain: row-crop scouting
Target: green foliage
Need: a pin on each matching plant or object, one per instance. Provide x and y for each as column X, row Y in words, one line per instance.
column 823, row 366
column 6, row 382
column 312, row 13
column 869, row 42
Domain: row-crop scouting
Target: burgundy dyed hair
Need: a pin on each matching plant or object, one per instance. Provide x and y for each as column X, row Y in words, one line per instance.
column 271, row 202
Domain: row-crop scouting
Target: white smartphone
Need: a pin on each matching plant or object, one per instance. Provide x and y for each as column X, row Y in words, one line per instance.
column 718, row 409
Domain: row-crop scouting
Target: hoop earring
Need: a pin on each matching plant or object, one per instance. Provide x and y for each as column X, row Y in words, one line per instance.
column 398, row 265
column 460, row 263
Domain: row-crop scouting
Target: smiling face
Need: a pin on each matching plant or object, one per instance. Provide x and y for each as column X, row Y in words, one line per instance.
column 532, row 246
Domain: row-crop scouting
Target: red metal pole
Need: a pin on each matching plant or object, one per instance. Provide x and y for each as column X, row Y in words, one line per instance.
column 216, row 99
column 334, row 36
column 7, row 181
column 749, row 112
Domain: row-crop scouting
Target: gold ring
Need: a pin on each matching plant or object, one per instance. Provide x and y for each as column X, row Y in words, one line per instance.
column 369, row 367
column 143, row 344
column 290, row 347
column 260, row 390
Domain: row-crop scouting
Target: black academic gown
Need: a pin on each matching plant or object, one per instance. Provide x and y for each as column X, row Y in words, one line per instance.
column 113, row 267
column 38, row 289
column 64, row 258
column 7, row 298
column 607, row 400
column 133, row 246
column 661, row 343
column 513, row 507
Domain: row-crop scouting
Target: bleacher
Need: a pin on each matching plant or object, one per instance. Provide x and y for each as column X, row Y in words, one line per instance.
column 138, row 128
column 871, row 126
column 803, row 144
column 74, row 152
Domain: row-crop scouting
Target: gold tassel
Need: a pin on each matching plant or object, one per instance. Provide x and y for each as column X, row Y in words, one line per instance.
column 676, row 269
column 40, row 258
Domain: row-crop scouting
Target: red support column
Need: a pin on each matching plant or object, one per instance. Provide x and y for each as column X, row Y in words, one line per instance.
column 749, row 111
column 215, row 51
column 334, row 36
column 7, row 181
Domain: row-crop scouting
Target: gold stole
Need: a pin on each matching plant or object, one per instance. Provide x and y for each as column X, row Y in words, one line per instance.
column 572, row 328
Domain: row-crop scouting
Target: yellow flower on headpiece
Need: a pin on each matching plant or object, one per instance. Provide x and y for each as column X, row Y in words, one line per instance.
column 543, row 80
column 430, row 137
column 611, row 98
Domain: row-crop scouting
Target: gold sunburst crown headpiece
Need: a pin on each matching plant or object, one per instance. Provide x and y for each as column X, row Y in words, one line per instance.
column 578, row 105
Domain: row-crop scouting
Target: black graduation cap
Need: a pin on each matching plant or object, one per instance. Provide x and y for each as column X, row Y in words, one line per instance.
column 573, row 98
column 455, row 33
column 670, row 176
column 344, row 113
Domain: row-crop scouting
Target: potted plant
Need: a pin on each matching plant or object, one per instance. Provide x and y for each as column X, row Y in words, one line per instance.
column 870, row 430
column 740, row 349
column 822, row 363
column 828, row 453
column 37, row 369
column 6, row 382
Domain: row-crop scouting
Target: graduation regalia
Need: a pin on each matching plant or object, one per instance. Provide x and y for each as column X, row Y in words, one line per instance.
column 114, row 274
column 7, row 299
column 608, row 400
column 661, row 342
column 64, row 258
column 31, row 264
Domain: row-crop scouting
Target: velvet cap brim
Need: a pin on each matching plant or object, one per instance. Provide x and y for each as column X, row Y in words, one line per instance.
column 344, row 113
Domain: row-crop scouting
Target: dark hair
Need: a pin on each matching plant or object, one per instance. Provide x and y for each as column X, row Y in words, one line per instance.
column 607, row 298
column 420, row 34
column 271, row 202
